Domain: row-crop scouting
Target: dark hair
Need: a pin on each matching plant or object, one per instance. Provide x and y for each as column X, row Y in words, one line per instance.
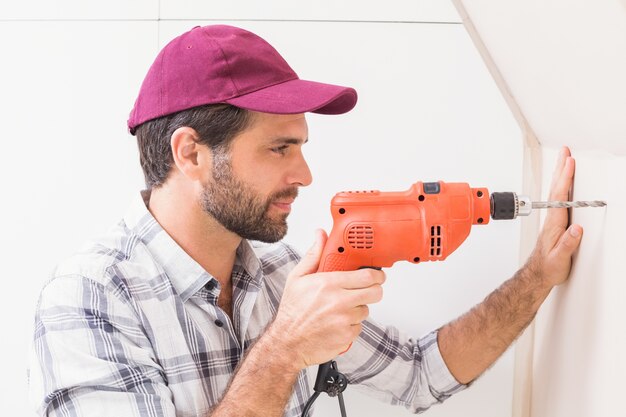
column 216, row 125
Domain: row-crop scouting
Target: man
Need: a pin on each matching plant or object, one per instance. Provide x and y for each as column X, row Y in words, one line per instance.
column 177, row 312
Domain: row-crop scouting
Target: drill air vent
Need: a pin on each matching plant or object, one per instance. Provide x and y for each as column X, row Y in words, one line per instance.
column 361, row 237
column 435, row 240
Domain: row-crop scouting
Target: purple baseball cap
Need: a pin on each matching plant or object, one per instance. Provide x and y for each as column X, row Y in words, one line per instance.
column 226, row 64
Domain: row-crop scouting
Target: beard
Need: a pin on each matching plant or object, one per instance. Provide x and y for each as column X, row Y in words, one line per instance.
column 237, row 207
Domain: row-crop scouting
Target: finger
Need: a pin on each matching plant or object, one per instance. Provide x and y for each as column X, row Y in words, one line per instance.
column 355, row 331
column 311, row 259
column 563, row 182
column 357, row 314
column 363, row 296
column 558, row 218
column 569, row 242
column 363, row 278
column 564, row 152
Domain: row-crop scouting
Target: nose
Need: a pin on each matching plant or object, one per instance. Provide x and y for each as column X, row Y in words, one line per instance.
column 300, row 174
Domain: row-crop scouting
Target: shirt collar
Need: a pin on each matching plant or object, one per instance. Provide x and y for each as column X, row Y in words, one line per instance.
column 248, row 259
column 185, row 274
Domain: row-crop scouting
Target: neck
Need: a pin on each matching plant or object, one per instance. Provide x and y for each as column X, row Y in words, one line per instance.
column 199, row 234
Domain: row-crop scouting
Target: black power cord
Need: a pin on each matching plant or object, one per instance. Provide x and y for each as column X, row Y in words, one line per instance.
column 309, row 403
column 330, row 381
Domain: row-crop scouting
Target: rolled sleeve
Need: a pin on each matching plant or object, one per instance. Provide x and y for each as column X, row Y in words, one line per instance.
column 397, row 369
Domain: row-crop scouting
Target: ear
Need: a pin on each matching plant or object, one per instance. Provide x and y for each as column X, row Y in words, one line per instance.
column 191, row 158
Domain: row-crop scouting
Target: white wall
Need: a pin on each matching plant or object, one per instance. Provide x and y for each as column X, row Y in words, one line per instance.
column 562, row 64
column 428, row 110
column 68, row 167
column 579, row 344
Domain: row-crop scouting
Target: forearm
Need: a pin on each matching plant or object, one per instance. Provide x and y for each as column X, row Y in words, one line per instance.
column 470, row 344
column 263, row 382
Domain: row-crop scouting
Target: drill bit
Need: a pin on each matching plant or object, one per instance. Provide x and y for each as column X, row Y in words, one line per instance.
column 508, row 205
column 567, row 204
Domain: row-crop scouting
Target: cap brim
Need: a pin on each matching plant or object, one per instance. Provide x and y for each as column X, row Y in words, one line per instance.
column 298, row 96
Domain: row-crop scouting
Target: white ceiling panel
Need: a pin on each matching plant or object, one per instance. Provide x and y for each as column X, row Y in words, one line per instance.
column 564, row 64
column 351, row 10
column 79, row 10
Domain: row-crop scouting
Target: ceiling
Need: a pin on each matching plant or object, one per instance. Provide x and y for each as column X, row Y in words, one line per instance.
column 561, row 64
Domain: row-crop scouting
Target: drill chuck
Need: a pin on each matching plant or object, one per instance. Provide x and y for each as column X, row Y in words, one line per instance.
column 509, row 205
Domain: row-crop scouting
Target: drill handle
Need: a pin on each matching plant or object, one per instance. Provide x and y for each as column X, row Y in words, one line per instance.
column 335, row 256
column 331, row 257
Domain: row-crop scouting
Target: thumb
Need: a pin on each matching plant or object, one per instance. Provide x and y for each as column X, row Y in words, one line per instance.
column 311, row 259
column 569, row 241
column 559, row 265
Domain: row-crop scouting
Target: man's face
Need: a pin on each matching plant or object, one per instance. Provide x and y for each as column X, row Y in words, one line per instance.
column 254, row 183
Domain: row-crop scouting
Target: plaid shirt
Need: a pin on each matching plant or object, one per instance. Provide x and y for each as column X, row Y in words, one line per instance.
column 130, row 327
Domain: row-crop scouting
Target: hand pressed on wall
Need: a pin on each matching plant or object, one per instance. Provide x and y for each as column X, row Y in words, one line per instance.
column 551, row 260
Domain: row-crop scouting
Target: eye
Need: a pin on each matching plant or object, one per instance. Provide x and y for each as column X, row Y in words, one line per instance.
column 281, row 150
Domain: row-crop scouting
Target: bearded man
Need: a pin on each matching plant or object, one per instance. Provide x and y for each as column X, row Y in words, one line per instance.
column 180, row 311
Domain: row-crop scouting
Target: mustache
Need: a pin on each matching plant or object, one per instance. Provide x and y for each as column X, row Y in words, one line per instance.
column 286, row 193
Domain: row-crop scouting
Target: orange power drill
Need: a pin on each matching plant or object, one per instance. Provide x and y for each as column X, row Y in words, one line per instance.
column 427, row 222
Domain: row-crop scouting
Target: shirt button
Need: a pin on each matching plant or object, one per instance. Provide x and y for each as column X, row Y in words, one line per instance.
column 210, row 285
column 219, row 323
